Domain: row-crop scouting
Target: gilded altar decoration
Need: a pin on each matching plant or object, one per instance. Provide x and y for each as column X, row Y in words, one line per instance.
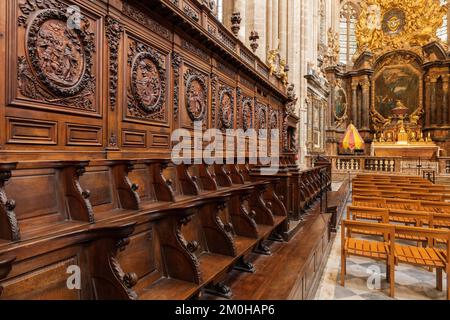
column 146, row 97
column 59, row 61
column 226, row 109
column 402, row 135
column 196, row 95
column 277, row 65
column 392, row 24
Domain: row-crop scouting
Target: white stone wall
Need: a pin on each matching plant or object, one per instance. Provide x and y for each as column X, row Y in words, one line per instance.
column 295, row 25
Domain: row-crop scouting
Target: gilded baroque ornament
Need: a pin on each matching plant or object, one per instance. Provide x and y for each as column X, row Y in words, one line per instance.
column 146, row 96
column 386, row 25
column 196, row 95
column 277, row 66
column 59, row 56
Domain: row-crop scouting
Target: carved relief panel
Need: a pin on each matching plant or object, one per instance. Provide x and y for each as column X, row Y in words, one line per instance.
column 247, row 118
column 226, row 109
column 56, row 53
column 262, row 116
column 52, row 76
column 146, row 83
column 195, row 97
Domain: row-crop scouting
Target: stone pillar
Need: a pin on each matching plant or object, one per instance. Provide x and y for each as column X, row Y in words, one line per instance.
column 269, row 28
column 283, row 25
column 275, row 35
column 365, row 105
column 228, row 8
column 240, row 6
column 355, row 104
column 256, row 21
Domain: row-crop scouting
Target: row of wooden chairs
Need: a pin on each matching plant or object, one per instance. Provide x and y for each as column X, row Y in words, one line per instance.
column 403, row 204
column 402, row 184
column 386, row 247
column 398, row 193
column 391, row 178
column 137, row 229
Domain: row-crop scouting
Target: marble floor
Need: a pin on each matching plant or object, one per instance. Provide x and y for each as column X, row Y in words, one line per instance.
column 364, row 283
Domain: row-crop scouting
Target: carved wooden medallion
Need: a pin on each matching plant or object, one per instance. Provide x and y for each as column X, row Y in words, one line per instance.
column 58, row 54
column 247, row 115
column 148, row 84
column 196, row 95
column 262, row 117
column 58, row 65
column 274, row 120
column 226, row 109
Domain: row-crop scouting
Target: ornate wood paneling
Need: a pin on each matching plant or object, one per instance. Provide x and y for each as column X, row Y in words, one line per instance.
column 84, row 78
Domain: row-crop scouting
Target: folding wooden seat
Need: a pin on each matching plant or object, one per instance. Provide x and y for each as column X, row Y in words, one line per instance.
column 381, row 248
column 429, row 256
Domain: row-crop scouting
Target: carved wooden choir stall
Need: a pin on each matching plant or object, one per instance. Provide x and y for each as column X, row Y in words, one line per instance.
column 91, row 92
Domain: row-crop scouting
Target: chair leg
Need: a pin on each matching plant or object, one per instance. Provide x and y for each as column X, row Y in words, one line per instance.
column 388, row 271
column 343, row 268
column 439, row 279
column 392, row 278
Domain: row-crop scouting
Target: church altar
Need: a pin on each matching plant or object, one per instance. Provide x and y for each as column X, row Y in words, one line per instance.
column 426, row 150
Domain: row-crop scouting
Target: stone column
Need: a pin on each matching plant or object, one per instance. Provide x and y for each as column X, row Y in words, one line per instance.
column 256, row 15
column 365, row 105
column 269, row 28
column 240, row 6
column 355, row 104
column 283, row 25
column 275, row 16
column 228, row 8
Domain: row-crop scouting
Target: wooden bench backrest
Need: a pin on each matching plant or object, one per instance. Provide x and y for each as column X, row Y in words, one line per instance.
column 386, row 231
column 375, row 212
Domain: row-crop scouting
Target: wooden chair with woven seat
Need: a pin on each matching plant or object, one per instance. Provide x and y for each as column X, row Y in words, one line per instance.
column 381, row 249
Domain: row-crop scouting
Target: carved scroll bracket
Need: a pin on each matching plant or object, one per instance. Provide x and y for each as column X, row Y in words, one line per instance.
column 78, row 199
column 9, row 227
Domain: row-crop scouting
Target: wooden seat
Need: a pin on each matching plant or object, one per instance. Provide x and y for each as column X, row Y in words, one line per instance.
column 378, row 249
column 427, row 257
column 394, row 253
column 367, row 248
